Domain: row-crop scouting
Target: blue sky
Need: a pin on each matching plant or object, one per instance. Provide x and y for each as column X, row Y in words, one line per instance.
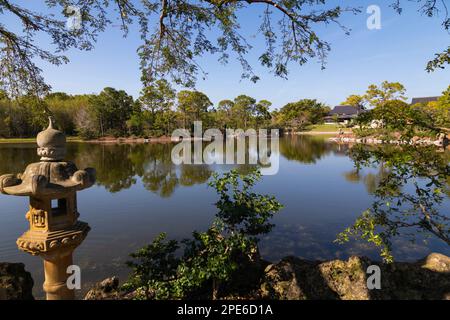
column 397, row 52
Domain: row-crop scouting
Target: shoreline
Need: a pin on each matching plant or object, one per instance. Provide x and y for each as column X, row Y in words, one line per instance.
column 442, row 142
column 32, row 140
column 319, row 133
column 99, row 141
column 290, row 278
column 294, row 278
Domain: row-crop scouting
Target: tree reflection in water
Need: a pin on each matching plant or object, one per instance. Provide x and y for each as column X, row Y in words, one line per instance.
column 409, row 191
column 408, row 183
column 119, row 165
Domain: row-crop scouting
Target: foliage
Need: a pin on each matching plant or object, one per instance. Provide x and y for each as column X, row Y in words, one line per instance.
column 298, row 115
column 440, row 61
column 396, row 116
column 171, row 43
column 212, row 257
column 193, row 106
column 224, row 114
column 112, row 108
column 158, row 96
column 241, row 210
column 157, row 112
column 387, row 91
column 243, row 112
column 155, row 115
column 175, row 34
column 376, row 96
column 403, row 118
column 262, row 114
column 356, row 101
column 439, row 110
column 154, row 265
column 407, row 197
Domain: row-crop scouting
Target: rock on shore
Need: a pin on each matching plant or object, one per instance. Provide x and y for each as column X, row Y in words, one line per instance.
column 296, row 279
column 15, row 282
column 108, row 289
column 441, row 141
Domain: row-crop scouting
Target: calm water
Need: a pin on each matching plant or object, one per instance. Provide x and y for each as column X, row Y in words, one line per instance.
column 140, row 193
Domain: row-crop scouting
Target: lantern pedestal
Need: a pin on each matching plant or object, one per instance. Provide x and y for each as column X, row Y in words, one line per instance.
column 55, row 269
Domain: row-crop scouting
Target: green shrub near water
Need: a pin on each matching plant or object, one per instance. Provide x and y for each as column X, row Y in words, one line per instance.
column 208, row 259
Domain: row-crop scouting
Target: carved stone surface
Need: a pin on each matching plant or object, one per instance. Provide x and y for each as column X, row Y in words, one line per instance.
column 51, row 143
column 48, row 180
column 54, row 230
column 39, row 243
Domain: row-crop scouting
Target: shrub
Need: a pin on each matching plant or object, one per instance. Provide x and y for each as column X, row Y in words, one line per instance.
column 208, row 258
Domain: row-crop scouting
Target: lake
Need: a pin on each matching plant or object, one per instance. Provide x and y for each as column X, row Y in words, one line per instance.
column 139, row 193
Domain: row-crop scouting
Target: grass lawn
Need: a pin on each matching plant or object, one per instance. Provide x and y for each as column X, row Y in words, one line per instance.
column 327, row 128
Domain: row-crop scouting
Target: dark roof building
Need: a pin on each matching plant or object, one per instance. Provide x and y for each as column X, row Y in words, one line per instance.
column 345, row 110
column 344, row 113
column 424, row 100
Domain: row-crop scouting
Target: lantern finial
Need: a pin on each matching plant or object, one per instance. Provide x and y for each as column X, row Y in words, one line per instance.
column 51, row 143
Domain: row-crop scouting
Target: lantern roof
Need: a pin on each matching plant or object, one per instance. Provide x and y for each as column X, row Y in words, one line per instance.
column 52, row 177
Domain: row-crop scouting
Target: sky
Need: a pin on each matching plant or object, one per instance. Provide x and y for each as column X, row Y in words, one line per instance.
column 398, row 51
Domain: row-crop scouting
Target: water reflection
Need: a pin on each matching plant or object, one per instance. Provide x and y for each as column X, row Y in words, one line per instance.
column 119, row 165
column 141, row 193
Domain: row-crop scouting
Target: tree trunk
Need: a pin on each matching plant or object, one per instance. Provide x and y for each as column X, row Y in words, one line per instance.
column 215, row 292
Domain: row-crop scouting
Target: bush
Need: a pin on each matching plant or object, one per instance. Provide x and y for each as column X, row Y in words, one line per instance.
column 212, row 257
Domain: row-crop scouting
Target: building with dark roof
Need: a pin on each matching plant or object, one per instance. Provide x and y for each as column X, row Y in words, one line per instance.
column 424, row 100
column 343, row 113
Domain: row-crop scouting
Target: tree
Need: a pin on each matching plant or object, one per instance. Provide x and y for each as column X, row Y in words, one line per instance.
column 158, row 99
column 398, row 117
column 63, row 108
column 224, row 114
column 112, row 109
column 243, row 110
column 388, row 91
column 173, row 43
column 193, row 105
column 300, row 114
column 86, row 123
column 262, row 113
column 159, row 96
column 356, row 101
column 438, row 111
column 445, row 98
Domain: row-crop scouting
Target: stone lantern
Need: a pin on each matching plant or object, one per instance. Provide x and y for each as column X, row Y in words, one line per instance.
column 54, row 231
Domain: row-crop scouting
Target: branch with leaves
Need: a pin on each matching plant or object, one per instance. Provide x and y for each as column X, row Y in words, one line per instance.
column 408, row 197
column 175, row 35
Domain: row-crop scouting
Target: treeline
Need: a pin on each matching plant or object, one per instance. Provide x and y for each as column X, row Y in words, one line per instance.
column 157, row 112
column 160, row 109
